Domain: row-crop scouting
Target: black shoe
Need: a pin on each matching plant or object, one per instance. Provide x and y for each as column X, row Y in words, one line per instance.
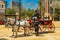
column 25, row 34
column 36, row 34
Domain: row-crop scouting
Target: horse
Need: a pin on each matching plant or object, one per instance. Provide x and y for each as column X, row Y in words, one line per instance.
column 15, row 23
column 9, row 21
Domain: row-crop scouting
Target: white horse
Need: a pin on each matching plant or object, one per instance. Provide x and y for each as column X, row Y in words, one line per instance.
column 15, row 24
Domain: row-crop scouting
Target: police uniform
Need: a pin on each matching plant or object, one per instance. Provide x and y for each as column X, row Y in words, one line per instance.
column 36, row 22
column 36, row 27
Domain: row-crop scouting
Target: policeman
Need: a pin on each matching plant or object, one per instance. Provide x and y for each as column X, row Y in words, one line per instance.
column 36, row 23
column 37, row 14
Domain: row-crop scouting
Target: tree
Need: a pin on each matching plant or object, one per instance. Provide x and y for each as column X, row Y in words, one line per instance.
column 30, row 12
column 57, row 11
column 10, row 11
column 24, row 13
column 56, row 14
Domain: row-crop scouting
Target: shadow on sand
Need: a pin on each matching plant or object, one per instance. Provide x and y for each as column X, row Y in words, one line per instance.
column 40, row 34
column 3, row 39
column 45, row 32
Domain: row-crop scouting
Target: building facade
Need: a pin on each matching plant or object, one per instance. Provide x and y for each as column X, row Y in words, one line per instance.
column 2, row 10
column 15, row 6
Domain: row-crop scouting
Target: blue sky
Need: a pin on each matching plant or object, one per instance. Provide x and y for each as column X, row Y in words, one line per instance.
column 8, row 3
column 28, row 4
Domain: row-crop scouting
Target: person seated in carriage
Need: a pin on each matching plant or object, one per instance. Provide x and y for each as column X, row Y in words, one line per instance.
column 47, row 19
column 31, row 23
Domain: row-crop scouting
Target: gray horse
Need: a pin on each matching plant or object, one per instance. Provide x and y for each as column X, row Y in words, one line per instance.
column 15, row 24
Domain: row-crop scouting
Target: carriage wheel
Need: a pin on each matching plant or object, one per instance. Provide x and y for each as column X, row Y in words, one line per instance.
column 51, row 27
column 42, row 28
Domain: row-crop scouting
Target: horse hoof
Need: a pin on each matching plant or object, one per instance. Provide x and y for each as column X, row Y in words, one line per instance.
column 25, row 35
column 18, row 31
column 15, row 37
column 37, row 35
column 12, row 35
column 12, row 30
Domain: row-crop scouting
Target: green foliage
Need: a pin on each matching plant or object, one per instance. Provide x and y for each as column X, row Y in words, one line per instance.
column 56, row 14
column 39, row 2
column 24, row 13
column 57, row 11
column 58, row 0
column 10, row 11
column 29, row 12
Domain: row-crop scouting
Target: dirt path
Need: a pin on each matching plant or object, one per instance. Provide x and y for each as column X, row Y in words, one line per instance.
column 6, row 33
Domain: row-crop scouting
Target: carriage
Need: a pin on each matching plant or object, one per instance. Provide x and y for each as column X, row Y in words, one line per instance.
column 47, row 25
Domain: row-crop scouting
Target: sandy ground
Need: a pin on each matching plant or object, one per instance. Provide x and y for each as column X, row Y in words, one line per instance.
column 56, row 23
column 5, row 33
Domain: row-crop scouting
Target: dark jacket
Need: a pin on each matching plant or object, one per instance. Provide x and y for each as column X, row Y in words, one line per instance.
column 37, row 15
